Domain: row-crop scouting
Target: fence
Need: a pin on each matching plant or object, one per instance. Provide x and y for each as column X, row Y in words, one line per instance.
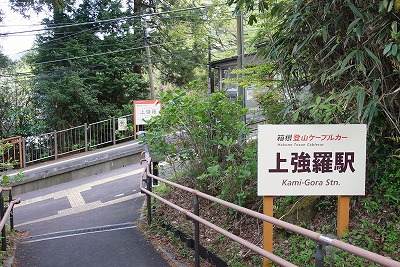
column 48, row 146
column 55, row 144
column 6, row 214
column 12, row 152
column 321, row 240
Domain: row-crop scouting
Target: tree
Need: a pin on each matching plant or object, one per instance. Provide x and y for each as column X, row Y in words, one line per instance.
column 184, row 32
column 88, row 71
column 18, row 114
column 178, row 51
column 338, row 60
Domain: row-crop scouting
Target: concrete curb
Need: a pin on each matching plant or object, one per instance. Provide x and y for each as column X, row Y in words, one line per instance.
column 77, row 166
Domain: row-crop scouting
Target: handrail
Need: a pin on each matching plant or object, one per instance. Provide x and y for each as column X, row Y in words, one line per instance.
column 11, row 139
column 7, row 214
column 291, row 227
column 236, row 238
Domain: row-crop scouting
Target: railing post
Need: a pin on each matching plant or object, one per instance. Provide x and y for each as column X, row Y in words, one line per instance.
column 21, row 162
column 155, row 171
column 86, row 137
column 23, row 151
column 196, row 232
column 12, row 210
column 149, row 187
column 90, row 135
column 3, row 231
column 319, row 256
column 55, row 145
column 113, row 131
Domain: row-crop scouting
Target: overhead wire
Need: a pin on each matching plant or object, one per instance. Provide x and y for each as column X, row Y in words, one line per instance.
column 137, row 15
column 60, row 26
column 128, row 49
column 109, row 65
column 103, row 53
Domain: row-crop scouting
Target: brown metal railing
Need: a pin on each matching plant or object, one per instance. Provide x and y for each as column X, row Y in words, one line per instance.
column 6, row 214
column 13, row 154
column 147, row 177
column 51, row 145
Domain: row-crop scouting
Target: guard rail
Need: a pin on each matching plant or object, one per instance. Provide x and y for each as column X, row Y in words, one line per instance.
column 320, row 239
column 6, row 214
column 47, row 146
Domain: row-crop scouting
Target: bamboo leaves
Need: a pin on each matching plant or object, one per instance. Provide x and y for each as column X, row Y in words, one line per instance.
column 345, row 51
column 354, row 9
column 360, row 100
column 374, row 57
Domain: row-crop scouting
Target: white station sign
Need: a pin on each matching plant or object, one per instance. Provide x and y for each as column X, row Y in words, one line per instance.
column 145, row 109
column 311, row 159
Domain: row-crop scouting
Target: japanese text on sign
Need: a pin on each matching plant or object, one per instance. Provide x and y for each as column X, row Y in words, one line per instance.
column 311, row 159
column 310, row 137
column 320, row 162
column 145, row 109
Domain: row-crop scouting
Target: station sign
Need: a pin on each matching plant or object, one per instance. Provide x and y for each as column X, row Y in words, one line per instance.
column 144, row 110
column 311, row 159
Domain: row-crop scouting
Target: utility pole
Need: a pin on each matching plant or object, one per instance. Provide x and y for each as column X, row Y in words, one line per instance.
column 147, row 32
column 240, row 57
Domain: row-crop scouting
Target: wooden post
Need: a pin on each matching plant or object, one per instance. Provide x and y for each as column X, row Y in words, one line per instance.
column 268, row 209
column 134, row 121
column 343, row 214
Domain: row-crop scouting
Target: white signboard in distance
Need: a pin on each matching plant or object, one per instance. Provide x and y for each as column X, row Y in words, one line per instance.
column 145, row 109
column 122, row 124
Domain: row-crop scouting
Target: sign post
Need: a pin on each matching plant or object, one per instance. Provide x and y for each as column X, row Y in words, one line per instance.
column 268, row 228
column 311, row 160
column 343, row 217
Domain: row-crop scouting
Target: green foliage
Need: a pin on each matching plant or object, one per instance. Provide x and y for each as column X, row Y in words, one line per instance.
column 345, row 52
column 8, row 164
column 204, row 136
column 324, row 110
column 235, row 259
column 182, row 56
column 128, row 132
column 5, row 163
column 258, row 76
column 389, row 185
column 86, row 73
column 368, row 234
column 272, row 105
column 4, row 60
column 18, row 114
column 269, row 96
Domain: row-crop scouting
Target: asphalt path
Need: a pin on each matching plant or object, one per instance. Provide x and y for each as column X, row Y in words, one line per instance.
column 85, row 222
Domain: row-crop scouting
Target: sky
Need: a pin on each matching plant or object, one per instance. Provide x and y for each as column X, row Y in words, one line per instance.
column 14, row 45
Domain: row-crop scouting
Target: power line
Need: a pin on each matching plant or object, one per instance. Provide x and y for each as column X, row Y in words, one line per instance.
column 105, row 21
column 159, row 14
column 110, row 65
column 121, row 50
column 68, row 37
column 97, row 22
column 101, row 54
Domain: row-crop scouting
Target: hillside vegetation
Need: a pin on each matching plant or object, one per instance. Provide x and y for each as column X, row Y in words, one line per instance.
column 203, row 144
column 326, row 62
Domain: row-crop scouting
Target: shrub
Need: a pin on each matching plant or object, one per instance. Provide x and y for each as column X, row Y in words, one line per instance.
column 205, row 137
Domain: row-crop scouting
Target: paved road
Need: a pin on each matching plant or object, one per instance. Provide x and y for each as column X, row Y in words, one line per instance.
column 85, row 222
